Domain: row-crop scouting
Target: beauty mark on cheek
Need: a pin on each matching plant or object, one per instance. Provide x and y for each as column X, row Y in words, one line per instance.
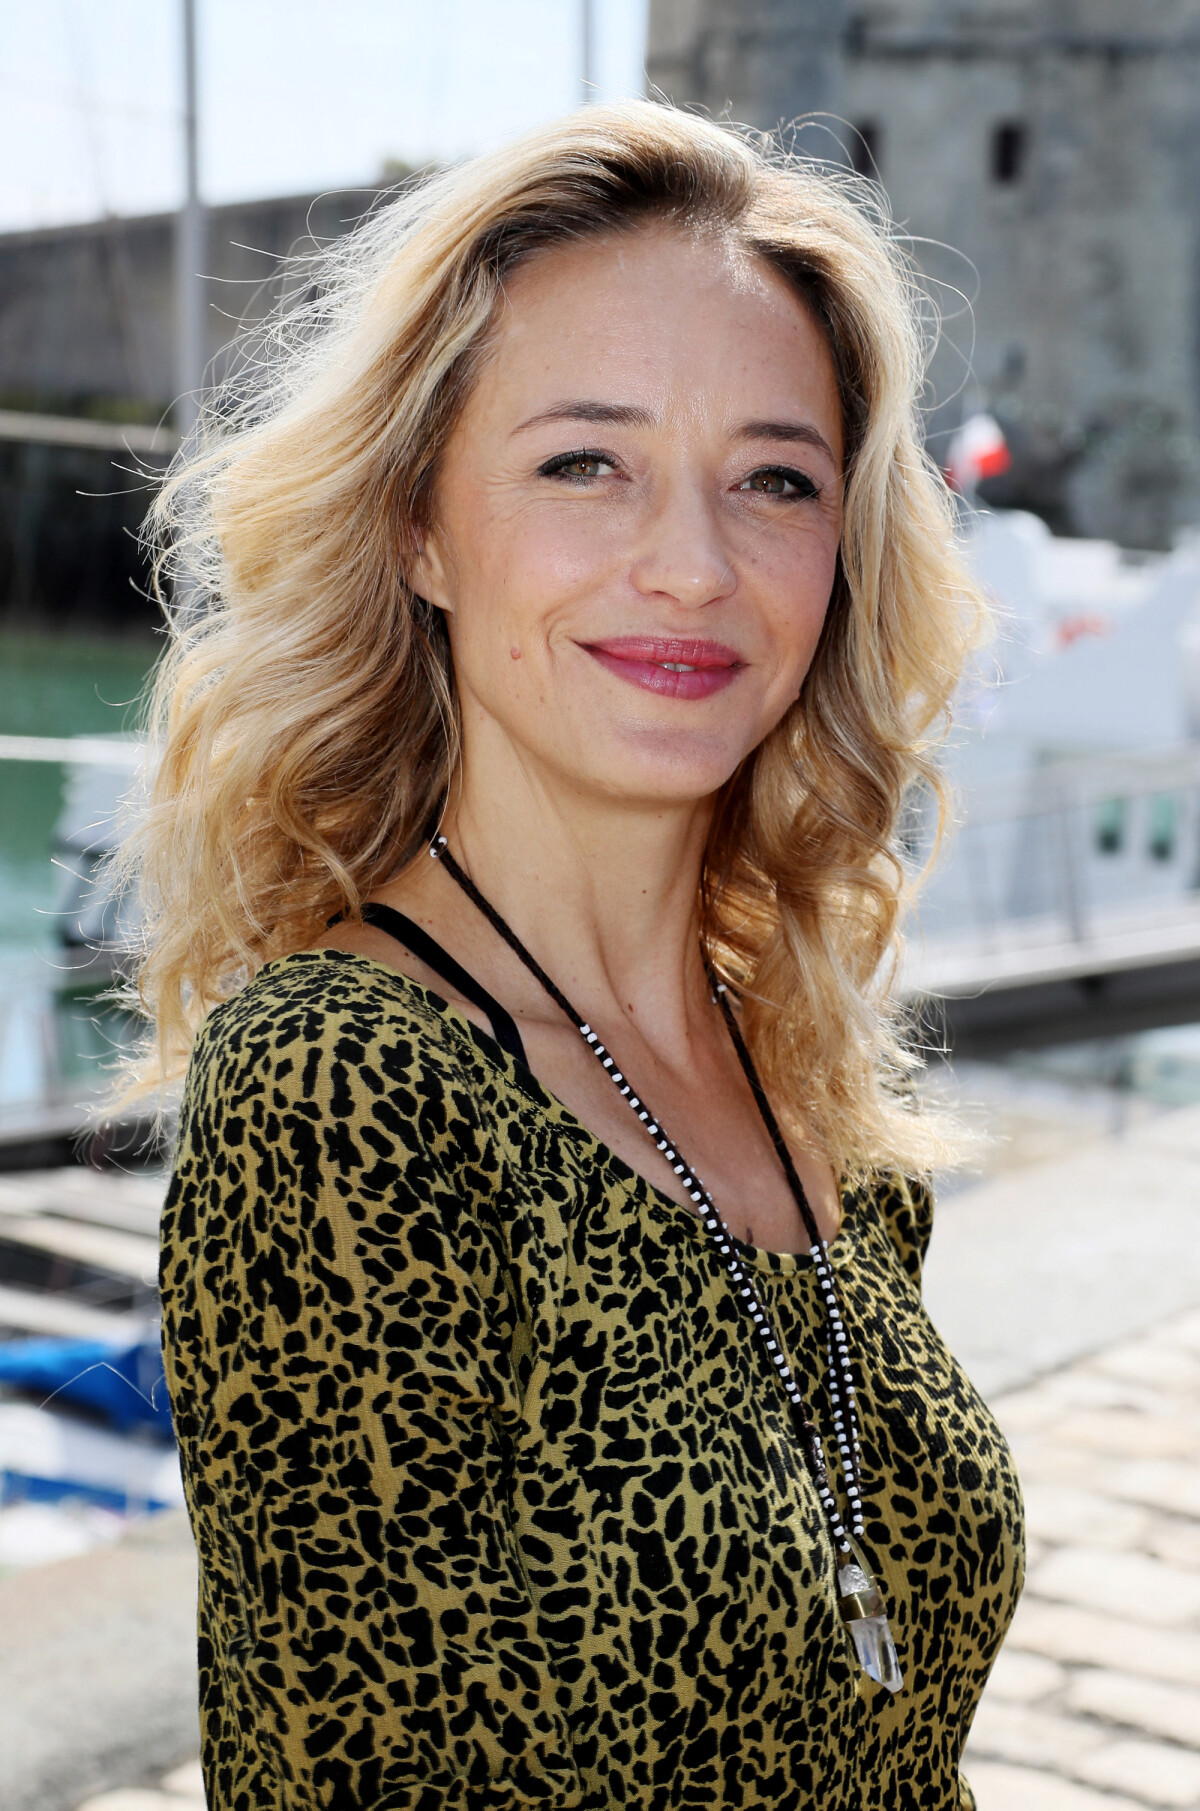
column 514, row 653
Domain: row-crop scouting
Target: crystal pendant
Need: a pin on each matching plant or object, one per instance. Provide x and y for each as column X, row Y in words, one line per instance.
column 866, row 1620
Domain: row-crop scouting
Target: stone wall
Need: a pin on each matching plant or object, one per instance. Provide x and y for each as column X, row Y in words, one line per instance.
column 1044, row 155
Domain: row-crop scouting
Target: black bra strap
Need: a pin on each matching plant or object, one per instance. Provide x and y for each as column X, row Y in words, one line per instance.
column 395, row 924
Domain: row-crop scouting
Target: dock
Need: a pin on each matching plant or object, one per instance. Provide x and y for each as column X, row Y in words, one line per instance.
column 79, row 1253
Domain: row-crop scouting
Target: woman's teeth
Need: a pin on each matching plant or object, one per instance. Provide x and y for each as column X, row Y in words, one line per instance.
column 674, row 666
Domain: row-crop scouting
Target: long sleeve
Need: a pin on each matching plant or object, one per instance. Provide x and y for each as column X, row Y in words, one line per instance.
column 343, row 1335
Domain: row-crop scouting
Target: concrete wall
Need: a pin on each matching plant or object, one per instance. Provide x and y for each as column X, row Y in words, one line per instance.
column 87, row 313
column 69, row 553
column 87, row 326
column 1083, row 269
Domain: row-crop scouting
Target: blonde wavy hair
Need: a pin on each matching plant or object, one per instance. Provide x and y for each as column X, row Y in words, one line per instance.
column 304, row 717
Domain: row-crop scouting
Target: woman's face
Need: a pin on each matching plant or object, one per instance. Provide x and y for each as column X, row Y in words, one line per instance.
column 636, row 519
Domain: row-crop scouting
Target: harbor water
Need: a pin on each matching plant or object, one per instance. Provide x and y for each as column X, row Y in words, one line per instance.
column 53, row 1038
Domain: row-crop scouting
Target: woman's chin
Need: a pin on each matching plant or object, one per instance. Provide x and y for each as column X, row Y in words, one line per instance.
column 657, row 766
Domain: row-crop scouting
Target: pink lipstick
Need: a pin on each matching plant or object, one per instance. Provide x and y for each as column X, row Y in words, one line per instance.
column 670, row 666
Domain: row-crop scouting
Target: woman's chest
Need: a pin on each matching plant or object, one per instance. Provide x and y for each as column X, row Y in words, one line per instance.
column 671, row 1119
column 662, row 1499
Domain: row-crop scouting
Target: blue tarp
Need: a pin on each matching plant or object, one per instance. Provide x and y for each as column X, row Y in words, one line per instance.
column 123, row 1384
column 20, row 1487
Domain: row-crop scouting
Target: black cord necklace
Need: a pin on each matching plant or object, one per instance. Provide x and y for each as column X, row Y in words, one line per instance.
column 861, row 1600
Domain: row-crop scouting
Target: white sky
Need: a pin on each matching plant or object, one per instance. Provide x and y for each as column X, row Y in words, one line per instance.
column 295, row 95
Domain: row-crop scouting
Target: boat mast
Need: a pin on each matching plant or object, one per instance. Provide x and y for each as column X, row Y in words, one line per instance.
column 190, row 247
column 587, row 47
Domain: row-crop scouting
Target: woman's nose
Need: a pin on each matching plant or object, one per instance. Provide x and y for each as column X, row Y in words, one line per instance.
column 683, row 554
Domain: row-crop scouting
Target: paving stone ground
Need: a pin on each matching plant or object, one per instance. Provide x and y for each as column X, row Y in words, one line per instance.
column 98, row 1668
column 180, row 1790
column 1094, row 1704
column 1029, row 1270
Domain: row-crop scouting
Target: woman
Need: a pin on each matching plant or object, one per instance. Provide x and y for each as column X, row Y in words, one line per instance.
column 579, row 610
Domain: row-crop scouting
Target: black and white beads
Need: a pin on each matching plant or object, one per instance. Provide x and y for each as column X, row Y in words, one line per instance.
column 841, row 1381
column 841, row 1377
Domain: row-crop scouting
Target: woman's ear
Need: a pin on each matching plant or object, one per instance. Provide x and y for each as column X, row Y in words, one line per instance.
column 427, row 574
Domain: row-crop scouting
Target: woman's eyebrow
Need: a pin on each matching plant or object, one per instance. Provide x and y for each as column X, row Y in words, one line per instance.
column 789, row 431
column 620, row 414
column 628, row 415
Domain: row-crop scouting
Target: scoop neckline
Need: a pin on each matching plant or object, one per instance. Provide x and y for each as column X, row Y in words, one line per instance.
column 755, row 1257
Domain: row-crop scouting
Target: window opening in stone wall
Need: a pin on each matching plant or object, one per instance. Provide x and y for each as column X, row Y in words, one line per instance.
column 1110, row 826
column 1162, row 828
column 1009, row 141
column 866, row 147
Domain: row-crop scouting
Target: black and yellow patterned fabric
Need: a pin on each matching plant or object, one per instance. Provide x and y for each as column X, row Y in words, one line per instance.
column 497, row 1505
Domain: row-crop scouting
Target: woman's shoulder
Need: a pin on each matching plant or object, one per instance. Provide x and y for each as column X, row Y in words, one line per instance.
column 904, row 1205
column 326, row 1021
column 332, row 1076
column 343, row 1146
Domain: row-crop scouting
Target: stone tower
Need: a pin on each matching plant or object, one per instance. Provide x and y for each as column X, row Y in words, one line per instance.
column 761, row 61
column 1044, row 155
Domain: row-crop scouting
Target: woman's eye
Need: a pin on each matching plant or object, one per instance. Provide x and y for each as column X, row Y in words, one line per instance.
column 780, row 481
column 575, row 465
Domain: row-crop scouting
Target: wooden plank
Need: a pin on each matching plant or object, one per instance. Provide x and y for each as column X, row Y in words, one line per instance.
column 23, row 1311
column 126, row 1203
column 120, row 1253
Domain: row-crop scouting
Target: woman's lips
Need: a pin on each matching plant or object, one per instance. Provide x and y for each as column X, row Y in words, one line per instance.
column 673, row 669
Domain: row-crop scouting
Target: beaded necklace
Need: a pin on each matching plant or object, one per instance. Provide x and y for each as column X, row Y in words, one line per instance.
column 861, row 1601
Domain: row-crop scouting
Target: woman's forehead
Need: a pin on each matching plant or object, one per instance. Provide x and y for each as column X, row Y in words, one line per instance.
column 659, row 310
column 658, row 262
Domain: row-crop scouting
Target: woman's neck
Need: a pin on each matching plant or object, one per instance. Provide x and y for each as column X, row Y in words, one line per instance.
column 604, row 891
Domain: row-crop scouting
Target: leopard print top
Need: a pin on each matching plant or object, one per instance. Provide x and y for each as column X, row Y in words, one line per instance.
column 497, row 1505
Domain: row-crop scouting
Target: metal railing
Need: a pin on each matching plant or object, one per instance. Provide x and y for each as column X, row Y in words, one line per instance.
column 1069, row 865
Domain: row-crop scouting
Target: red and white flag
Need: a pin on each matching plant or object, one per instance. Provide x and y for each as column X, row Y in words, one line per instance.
column 978, row 450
